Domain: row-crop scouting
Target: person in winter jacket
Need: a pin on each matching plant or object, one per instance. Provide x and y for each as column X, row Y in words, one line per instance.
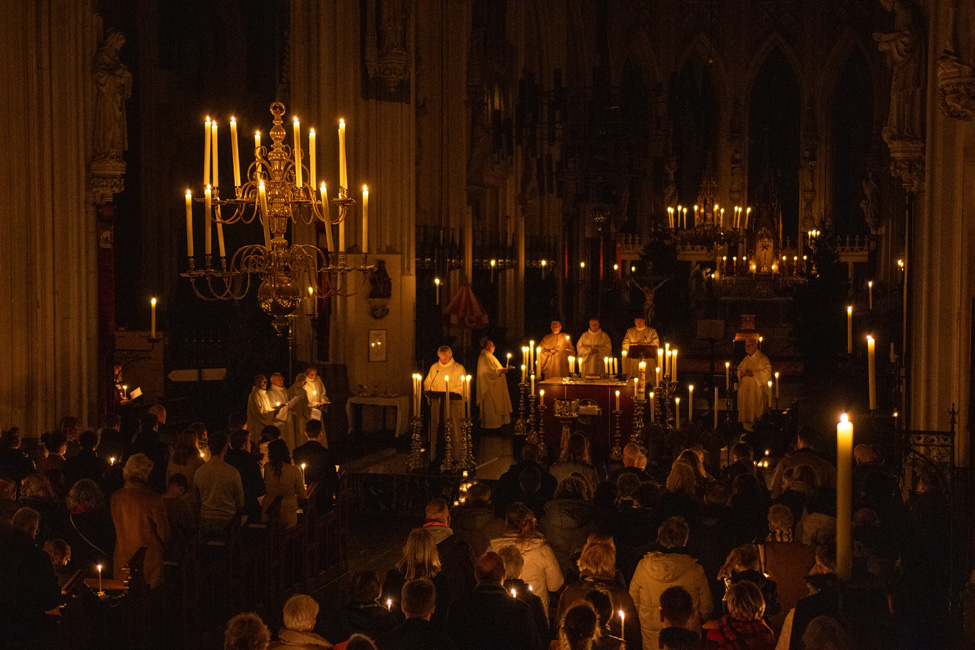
column 670, row 566
column 541, row 572
column 742, row 628
column 569, row 518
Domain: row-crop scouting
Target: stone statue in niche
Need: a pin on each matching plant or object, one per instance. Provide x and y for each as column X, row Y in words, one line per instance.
column 736, row 189
column 386, row 55
column 869, row 204
column 904, row 51
column 381, row 290
column 114, row 83
column 670, row 185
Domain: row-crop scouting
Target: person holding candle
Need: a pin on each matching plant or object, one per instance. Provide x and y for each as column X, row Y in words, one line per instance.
column 754, row 372
column 639, row 334
column 593, row 345
column 261, row 412
column 319, row 467
column 310, row 391
column 284, row 421
column 444, row 378
column 555, row 351
column 282, row 479
column 492, row 389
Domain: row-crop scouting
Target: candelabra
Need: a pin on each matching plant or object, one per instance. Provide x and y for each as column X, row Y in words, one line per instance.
column 468, row 463
column 532, row 413
column 537, row 436
column 521, row 425
column 449, row 462
column 637, row 436
column 617, row 451
column 274, row 193
column 416, row 461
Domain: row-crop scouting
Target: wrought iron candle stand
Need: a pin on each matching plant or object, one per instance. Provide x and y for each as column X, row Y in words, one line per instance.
column 449, row 464
column 537, row 436
column 521, row 425
column 530, row 424
column 416, row 461
column 637, row 436
column 617, row 451
column 468, row 462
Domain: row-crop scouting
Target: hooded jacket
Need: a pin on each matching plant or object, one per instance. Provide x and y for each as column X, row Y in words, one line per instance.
column 566, row 525
column 655, row 573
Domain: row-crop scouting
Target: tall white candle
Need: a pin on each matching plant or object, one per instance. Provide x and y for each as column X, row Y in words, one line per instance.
column 297, row 154
column 572, row 365
column 265, row 217
column 844, row 497
column 152, row 318
column 653, row 407
column 436, row 282
column 872, row 372
column 207, row 135
column 257, row 144
column 727, row 375
column 328, row 220
column 538, row 362
column 776, row 385
column 189, row 224
column 690, row 402
column 532, row 384
column 311, row 157
column 870, row 294
column 677, row 412
column 233, row 150
column 219, row 221
column 849, row 329
column 531, row 353
column 617, row 400
column 365, row 219
column 208, row 236
column 673, row 366
column 541, row 398
column 216, row 158
column 343, row 170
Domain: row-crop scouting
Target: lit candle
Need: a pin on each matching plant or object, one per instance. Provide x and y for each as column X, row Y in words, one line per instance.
column 206, row 152
column 303, row 475
column 770, row 392
column 677, row 412
column 849, row 329
column 343, row 170
column 727, row 375
column 446, row 391
column 653, row 409
column 436, row 282
column 541, row 399
column 572, row 365
column 531, row 354
column 666, row 370
column 870, row 294
column 233, row 150
column 219, row 222
column 189, row 224
column 617, row 400
column 673, row 366
column 208, row 235
column 657, row 382
column 523, row 370
column 660, row 363
column 844, row 500
column 265, row 218
column 533, row 384
column 622, row 615
column 365, row 219
column 111, row 460
column 216, row 162
column 257, row 144
column 715, row 407
column 776, row 386
column 690, row 402
column 389, row 601
column 311, row 157
column 327, row 219
column 152, row 318
column 872, row 372
column 538, row 362
column 508, row 363
column 747, row 212
column 643, row 376
column 297, row 154
column 100, row 590
column 514, row 594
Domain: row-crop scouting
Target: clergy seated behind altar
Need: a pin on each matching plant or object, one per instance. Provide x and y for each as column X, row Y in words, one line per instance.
column 492, row 389
column 639, row 334
column 445, row 376
column 556, row 350
column 594, row 345
column 310, row 391
column 754, row 373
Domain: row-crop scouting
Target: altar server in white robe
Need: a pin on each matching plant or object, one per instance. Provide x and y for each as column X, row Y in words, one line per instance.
column 556, row 349
column 593, row 346
column 492, row 389
column 639, row 334
column 437, row 381
column 310, row 391
column 278, row 395
column 754, row 373
column 260, row 411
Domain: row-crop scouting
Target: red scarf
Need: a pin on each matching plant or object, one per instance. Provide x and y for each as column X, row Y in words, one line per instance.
column 732, row 634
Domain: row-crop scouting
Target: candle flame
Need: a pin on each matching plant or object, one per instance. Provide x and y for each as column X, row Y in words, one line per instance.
column 153, row 302
column 311, row 132
column 844, row 418
column 869, row 339
column 365, row 189
column 622, row 614
column 296, row 120
column 188, row 194
column 341, row 123
column 233, row 119
column 208, row 119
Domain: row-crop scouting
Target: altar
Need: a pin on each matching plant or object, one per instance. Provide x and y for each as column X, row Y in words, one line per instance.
column 597, row 420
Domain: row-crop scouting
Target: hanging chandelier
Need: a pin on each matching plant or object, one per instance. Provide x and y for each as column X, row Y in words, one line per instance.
column 279, row 187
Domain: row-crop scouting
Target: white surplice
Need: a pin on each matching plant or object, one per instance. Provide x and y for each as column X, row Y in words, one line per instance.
column 556, row 349
column 492, row 392
column 593, row 346
column 753, row 391
column 436, row 381
column 634, row 336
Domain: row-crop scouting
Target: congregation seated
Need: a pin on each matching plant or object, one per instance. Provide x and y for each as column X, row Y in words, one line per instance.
column 246, row 632
column 474, row 521
column 300, row 615
column 15, row 464
column 146, row 441
column 8, row 500
column 509, row 488
column 749, row 508
column 799, row 483
column 681, row 497
column 28, row 584
column 55, row 445
column 569, row 518
column 634, row 462
column 805, row 454
column 787, row 561
column 635, row 528
column 744, row 564
column 576, row 459
column 714, row 536
column 456, row 558
column 37, row 492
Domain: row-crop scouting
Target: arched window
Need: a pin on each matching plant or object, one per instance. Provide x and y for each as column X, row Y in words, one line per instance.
column 695, row 111
column 852, row 115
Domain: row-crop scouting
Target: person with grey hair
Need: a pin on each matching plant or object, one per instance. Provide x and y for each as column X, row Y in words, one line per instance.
column 514, row 563
column 246, row 632
column 90, row 532
column 140, row 520
column 443, row 377
column 668, row 567
column 300, row 614
column 30, row 586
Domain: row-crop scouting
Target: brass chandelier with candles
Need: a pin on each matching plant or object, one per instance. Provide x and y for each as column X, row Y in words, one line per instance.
column 278, row 187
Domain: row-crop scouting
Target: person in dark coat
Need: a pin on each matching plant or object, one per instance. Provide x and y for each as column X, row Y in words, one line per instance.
column 319, row 467
column 635, row 531
column 146, row 441
column 419, row 600
column 749, row 509
column 28, row 584
column 91, row 532
column 14, row 463
column 420, row 559
column 514, row 562
column 240, row 457
column 474, row 521
column 713, row 538
column 490, row 618
column 363, row 614
column 87, row 464
column 456, row 558
column 111, row 442
column 509, row 490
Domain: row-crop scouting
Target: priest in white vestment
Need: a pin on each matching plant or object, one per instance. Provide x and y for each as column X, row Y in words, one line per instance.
column 556, row 350
column 593, row 346
column 310, row 391
column 492, row 389
column 437, row 381
column 278, row 395
column 260, row 411
column 639, row 334
column 754, row 373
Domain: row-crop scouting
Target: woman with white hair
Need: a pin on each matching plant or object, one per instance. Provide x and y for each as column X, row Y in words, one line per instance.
column 300, row 614
column 140, row 520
